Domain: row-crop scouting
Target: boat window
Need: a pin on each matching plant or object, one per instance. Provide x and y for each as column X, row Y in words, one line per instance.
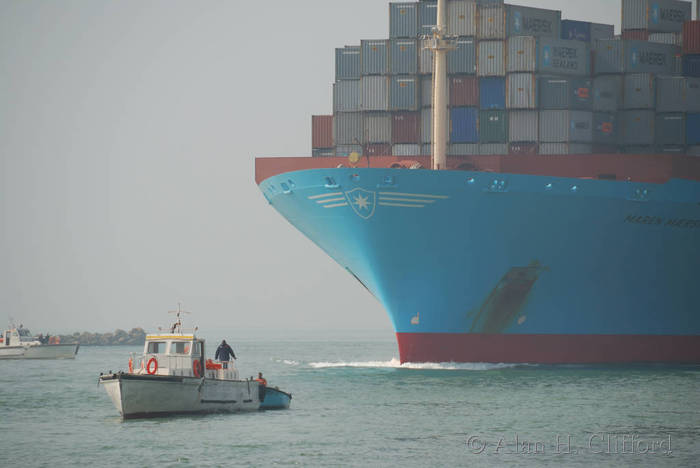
column 197, row 349
column 179, row 348
column 156, row 347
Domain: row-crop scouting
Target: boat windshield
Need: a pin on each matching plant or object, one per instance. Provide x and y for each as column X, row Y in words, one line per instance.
column 156, row 347
column 180, row 348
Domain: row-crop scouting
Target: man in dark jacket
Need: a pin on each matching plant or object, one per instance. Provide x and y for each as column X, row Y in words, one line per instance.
column 224, row 352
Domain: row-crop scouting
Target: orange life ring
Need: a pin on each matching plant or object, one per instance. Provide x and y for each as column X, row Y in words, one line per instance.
column 131, row 366
column 197, row 368
column 148, row 366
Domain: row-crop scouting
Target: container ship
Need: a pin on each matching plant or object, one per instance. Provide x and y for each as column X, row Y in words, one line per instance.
column 511, row 186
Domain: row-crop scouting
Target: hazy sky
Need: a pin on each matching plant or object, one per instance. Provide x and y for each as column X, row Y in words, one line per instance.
column 128, row 131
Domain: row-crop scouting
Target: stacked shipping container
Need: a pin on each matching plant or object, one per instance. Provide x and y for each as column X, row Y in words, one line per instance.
column 521, row 81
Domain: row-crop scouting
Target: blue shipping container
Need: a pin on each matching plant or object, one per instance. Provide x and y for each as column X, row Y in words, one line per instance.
column 692, row 129
column 464, row 125
column 492, row 93
column 403, row 20
column 576, row 30
column 348, row 63
column 691, row 65
column 427, row 18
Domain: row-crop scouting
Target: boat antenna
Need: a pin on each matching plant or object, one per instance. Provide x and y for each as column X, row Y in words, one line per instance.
column 177, row 326
column 440, row 44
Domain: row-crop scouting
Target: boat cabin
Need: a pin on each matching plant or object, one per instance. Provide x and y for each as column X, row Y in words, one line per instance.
column 16, row 336
column 179, row 354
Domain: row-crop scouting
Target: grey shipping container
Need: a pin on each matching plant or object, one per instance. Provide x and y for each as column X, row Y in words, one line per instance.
column 348, row 63
column 346, row 150
column 526, row 21
column 565, row 148
column 322, row 152
column 521, row 91
column 347, row 96
column 463, row 149
column 348, row 128
column 670, row 129
column 426, row 125
column 463, row 59
column 637, row 127
column 627, row 56
column 375, row 57
column 405, row 150
column 693, row 150
column 491, row 60
column 404, row 93
column 671, row 94
column 639, row 149
column 605, row 128
column 655, row 15
column 667, row 38
column 377, row 127
column 564, row 126
column 558, row 92
column 493, row 126
column 602, row 31
column 607, row 93
column 523, row 125
column 491, row 22
column 486, row 149
column 640, row 91
column 404, row 56
column 425, row 58
column 692, row 94
column 403, row 20
column 548, row 55
column 563, row 57
column 427, row 17
column 375, row 93
column 522, row 54
column 461, row 18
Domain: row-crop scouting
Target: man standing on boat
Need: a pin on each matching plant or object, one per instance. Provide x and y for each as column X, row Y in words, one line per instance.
column 223, row 353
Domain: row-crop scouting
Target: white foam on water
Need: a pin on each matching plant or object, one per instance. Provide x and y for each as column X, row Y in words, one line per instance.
column 289, row 362
column 394, row 363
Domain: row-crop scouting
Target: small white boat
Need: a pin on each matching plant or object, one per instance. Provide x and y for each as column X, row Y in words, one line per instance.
column 18, row 343
column 173, row 377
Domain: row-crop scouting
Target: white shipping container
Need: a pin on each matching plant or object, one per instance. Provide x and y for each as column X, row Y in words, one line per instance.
column 461, row 18
column 405, row 150
column 491, row 60
column 377, row 127
column 523, row 126
column 491, row 22
column 522, row 54
column 375, row 93
column 521, row 91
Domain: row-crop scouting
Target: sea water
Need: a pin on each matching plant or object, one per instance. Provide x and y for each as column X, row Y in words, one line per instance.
column 354, row 404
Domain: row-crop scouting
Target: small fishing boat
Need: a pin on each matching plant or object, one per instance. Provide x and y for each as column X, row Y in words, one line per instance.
column 19, row 343
column 275, row 399
column 171, row 376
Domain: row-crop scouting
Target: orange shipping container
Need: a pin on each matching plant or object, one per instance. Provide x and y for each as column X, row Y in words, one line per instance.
column 691, row 37
column 321, row 131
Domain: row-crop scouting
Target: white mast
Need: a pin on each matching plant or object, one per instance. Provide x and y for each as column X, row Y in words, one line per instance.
column 440, row 46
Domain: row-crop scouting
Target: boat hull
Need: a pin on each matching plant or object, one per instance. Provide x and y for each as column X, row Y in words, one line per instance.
column 495, row 267
column 275, row 399
column 147, row 396
column 58, row 351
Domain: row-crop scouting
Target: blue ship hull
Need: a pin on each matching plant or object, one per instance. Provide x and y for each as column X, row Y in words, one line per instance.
column 489, row 267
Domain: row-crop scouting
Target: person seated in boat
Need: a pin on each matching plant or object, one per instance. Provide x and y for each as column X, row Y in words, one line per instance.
column 261, row 379
column 40, row 338
column 224, row 353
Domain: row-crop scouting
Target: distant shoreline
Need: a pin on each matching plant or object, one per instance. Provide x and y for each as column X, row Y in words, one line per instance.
column 137, row 336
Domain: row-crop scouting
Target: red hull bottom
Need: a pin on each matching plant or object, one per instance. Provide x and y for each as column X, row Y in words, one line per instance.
column 547, row 349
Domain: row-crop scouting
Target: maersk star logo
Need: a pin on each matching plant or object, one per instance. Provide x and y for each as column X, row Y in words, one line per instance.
column 362, row 201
